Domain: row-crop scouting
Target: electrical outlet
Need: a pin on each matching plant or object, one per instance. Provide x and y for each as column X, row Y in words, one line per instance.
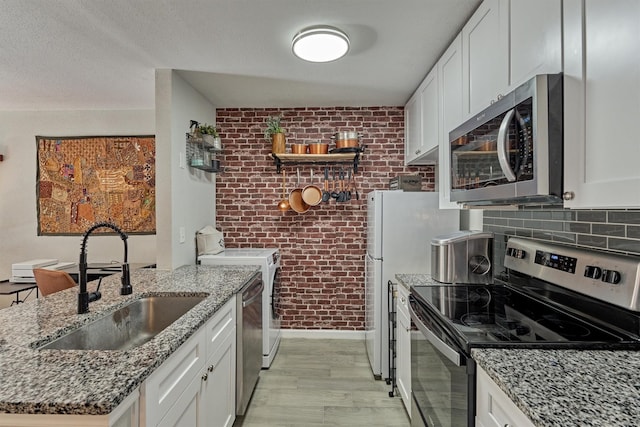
column 183, row 235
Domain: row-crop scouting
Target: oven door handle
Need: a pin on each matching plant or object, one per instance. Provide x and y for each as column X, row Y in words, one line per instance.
column 441, row 346
column 503, row 142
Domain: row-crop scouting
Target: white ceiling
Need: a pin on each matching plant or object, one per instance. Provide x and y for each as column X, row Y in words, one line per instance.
column 101, row 54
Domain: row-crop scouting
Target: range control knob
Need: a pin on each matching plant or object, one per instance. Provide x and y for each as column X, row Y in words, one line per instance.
column 516, row 253
column 592, row 272
column 611, row 276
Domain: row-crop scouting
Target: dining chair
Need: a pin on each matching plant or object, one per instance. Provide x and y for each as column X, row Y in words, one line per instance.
column 50, row 281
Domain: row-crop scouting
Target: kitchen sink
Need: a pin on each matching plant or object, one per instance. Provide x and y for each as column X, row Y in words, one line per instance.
column 129, row 326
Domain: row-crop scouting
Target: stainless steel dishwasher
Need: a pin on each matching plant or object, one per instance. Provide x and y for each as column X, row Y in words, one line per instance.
column 249, row 342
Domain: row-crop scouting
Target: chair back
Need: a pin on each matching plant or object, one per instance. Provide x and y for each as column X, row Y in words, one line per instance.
column 50, row 281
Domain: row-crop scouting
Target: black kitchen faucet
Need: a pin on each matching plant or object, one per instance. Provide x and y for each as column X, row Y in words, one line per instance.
column 84, row 297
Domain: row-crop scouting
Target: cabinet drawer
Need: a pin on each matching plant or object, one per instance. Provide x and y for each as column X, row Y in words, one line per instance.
column 171, row 379
column 220, row 324
column 402, row 302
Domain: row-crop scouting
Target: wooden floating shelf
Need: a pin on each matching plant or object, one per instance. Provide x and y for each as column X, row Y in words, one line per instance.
column 300, row 159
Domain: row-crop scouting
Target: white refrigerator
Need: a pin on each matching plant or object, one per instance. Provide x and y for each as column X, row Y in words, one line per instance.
column 400, row 226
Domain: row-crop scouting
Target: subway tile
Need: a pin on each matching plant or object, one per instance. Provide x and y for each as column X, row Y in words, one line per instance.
column 553, row 225
column 625, row 217
column 535, row 224
column 633, row 232
column 563, row 215
column 546, row 215
column 578, row 227
column 516, row 223
column 491, row 214
column 608, row 229
column 592, row 216
column 594, row 241
column 626, row 245
column 564, row 237
column 541, row 235
column 524, row 233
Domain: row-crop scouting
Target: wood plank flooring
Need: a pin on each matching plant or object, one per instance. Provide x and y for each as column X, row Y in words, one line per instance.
column 326, row 382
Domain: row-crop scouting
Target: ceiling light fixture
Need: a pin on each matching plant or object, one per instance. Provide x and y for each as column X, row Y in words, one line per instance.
column 320, row 44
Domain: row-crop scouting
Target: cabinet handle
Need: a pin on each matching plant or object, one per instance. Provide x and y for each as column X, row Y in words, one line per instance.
column 408, row 329
column 418, row 151
column 403, row 300
column 210, row 368
column 507, row 425
column 568, row 195
column 205, row 376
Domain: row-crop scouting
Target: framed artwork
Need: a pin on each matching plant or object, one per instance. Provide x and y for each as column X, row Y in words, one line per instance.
column 87, row 179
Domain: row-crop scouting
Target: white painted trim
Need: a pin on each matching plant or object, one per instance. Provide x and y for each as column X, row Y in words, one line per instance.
column 322, row 334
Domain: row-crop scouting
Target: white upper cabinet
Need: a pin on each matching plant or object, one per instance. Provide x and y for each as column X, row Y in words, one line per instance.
column 535, row 39
column 421, row 123
column 602, row 103
column 450, row 79
column 485, row 56
column 505, row 43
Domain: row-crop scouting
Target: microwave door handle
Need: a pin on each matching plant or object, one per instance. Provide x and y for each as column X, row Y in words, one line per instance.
column 503, row 141
column 440, row 345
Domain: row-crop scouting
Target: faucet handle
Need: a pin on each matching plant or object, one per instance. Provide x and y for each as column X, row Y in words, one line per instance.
column 126, row 288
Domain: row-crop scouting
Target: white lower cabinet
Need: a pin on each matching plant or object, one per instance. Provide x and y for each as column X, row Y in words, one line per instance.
column 196, row 385
column 493, row 406
column 403, row 347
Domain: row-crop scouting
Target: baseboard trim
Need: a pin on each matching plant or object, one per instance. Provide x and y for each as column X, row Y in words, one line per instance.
column 322, row 334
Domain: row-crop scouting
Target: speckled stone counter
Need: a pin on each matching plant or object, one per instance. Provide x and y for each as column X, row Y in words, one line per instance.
column 409, row 280
column 568, row 387
column 95, row 382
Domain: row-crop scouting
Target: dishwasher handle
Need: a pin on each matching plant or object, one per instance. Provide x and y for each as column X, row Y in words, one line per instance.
column 255, row 293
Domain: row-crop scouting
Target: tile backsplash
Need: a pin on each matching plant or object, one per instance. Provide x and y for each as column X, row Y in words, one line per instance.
column 608, row 230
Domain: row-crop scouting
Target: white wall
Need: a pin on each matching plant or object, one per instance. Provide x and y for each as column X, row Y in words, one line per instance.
column 187, row 199
column 18, row 214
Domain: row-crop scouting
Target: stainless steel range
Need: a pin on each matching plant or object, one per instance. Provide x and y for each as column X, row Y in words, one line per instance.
column 550, row 296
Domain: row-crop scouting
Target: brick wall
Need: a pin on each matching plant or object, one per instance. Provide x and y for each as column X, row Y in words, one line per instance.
column 323, row 249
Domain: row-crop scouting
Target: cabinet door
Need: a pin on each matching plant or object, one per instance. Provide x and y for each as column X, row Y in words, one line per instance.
column 450, row 82
column 602, row 89
column 493, row 406
column 184, row 413
column 485, row 41
column 167, row 383
column 421, row 122
column 403, row 358
column 412, row 128
column 535, row 39
column 218, row 406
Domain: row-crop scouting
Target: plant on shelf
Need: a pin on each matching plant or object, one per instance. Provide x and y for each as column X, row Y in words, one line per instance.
column 210, row 135
column 275, row 133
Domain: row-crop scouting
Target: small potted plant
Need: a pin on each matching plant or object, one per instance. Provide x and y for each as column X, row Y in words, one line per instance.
column 210, row 135
column 275, row 133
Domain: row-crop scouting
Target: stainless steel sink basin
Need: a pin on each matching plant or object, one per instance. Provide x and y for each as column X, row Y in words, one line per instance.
column 128, row 327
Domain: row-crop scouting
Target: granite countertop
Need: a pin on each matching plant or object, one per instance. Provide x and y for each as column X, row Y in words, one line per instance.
column 409, row 280
column 568, row 387
column 95, row 382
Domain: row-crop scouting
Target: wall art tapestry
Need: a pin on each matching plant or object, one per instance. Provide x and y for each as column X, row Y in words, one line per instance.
column 84, row 180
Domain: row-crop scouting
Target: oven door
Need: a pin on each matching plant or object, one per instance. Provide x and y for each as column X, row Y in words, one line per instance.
column 442, row 376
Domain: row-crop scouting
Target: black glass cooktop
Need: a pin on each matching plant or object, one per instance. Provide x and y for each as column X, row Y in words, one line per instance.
column 499, row 315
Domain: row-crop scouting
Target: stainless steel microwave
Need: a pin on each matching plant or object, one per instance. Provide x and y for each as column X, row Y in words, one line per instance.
column 511, row 153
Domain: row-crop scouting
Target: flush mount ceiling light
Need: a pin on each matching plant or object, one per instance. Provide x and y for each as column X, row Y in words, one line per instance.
column 320, row 44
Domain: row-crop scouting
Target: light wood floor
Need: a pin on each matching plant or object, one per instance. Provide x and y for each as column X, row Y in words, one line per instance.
column 315, row 382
